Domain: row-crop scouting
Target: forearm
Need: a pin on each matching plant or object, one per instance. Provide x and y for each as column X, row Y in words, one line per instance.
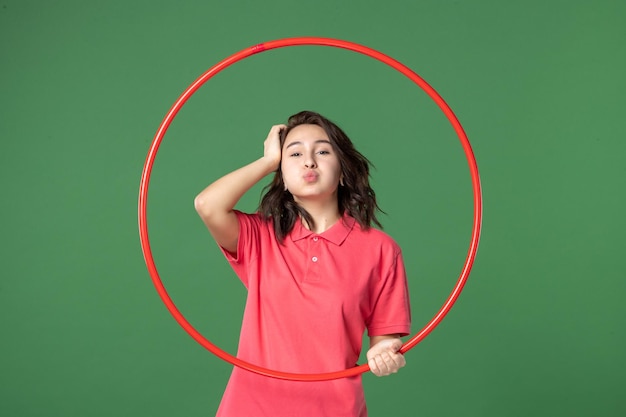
column 374, row 340
column 215, row 203
column 222, row 195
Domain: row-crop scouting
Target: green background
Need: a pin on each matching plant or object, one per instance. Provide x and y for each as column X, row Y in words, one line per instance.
column 538, row 85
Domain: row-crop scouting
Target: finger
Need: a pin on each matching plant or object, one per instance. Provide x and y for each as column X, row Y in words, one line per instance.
column 374, row 367
column 397, row 361
column 378, row 366
column 391, row 363
column 275, row 130
column 278, row 128
column 396, row 346
column 382, row 365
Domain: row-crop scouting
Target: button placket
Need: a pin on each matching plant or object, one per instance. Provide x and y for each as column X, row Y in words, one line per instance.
column 314, row 258
column 313, row 270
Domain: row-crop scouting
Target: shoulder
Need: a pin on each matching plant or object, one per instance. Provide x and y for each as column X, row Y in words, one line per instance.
column 254, row 221
column 251, row 217
column 373, row 237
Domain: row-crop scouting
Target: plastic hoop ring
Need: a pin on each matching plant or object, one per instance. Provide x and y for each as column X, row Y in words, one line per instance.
column 300, row 41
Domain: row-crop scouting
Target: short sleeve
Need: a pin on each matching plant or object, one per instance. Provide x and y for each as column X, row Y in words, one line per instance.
column 391, row 313
column 248, row 244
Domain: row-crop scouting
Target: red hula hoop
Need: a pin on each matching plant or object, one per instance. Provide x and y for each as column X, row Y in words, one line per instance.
column 300, row 41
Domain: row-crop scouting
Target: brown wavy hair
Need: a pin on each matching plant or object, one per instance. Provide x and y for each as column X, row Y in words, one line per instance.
column 355, row 196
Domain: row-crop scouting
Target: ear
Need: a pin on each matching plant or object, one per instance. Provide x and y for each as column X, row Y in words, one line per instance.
column 341, row 180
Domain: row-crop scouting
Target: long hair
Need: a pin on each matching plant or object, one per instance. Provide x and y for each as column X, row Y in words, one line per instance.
column 355, row 196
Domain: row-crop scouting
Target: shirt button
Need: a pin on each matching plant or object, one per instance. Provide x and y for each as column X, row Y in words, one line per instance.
column 314, row 259
column 315, row 239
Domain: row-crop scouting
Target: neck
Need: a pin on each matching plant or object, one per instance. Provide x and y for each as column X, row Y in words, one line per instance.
column 325, row 215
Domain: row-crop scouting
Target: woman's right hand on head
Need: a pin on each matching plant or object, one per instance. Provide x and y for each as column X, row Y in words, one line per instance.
column 271, row 147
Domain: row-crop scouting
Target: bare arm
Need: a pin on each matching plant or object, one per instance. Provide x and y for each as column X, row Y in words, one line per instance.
column 383, row 357
column 215, row 203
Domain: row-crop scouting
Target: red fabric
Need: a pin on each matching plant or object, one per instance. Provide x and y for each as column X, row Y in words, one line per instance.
column 309, row 302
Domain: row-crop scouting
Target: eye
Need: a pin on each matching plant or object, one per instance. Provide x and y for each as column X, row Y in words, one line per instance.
column 324, row 152
column 295, row 154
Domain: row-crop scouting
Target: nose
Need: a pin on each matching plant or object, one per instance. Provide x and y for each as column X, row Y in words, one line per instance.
column 309, row 162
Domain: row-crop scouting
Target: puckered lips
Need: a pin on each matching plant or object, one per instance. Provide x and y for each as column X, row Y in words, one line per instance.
column 310, row 176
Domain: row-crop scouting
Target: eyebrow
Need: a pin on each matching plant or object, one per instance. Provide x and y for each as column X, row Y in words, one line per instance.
column 300, row 143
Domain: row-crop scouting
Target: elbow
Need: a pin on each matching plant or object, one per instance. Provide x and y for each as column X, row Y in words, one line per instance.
column 201, row 205
column 209, row 209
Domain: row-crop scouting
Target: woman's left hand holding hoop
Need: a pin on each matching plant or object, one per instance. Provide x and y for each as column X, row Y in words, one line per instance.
column 384, row 357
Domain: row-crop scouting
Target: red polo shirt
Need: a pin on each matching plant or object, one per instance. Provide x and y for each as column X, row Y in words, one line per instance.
column 309, row 302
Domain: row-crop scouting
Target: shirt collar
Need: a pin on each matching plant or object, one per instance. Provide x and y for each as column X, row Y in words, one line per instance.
column 336, row 234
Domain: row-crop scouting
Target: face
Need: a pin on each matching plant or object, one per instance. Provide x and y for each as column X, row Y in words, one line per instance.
column 310, row 165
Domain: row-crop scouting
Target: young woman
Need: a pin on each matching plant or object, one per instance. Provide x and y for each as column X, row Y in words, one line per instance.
column 316, row 272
